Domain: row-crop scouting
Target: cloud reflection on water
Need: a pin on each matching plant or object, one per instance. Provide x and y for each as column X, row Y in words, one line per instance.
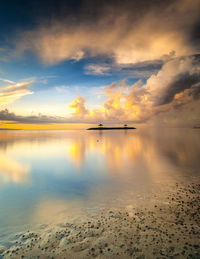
column 80, row 168
column 13, row 171
column 119, row 151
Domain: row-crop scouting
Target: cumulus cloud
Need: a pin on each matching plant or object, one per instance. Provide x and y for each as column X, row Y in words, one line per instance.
column 14, row 91
column 180, row 83
column 175, row 88
column 174, row 77
column 78, row 107
column 130, row 33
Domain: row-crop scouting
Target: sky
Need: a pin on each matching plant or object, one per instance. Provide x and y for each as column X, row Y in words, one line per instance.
column 65, row 64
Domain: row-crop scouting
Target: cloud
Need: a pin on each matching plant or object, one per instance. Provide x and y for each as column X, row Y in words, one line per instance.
column 137, row 70
column 14, row 91
column 132, row 33
column 78, row 106
column 175, row 76
column 95, row 69
column 11, row 117
column 7, row 81
column 181, row 82
column 175, row 88
column 171, row 96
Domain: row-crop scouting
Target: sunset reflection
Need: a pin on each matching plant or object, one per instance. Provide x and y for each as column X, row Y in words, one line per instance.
column 134, row 150
column 122, row 152
column 74, row 169
column 76, row 152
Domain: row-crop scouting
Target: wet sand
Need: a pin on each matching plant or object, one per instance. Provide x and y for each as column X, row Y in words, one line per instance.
column 159, row 228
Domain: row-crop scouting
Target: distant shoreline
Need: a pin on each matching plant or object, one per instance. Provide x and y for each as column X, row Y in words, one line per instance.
column 111, row 128
column 9, row 129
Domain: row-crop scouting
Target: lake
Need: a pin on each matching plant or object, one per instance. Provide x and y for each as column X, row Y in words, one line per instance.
column 46, row 175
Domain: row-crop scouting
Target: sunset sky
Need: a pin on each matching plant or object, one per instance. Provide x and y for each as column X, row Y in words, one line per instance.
column 65, row 64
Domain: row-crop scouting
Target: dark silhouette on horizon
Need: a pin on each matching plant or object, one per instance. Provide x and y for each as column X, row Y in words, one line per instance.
column 101, row 127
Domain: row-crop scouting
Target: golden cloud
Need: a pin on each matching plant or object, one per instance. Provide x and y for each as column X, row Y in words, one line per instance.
column 174, row 87
column 78, row 106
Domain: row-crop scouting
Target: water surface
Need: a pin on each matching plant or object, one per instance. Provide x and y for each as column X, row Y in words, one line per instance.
column 46, row 175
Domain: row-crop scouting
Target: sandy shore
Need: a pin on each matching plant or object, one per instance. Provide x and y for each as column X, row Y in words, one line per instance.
column 169, row 228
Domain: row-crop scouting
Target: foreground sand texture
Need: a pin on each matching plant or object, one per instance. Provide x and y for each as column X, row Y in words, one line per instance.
column 166, row 229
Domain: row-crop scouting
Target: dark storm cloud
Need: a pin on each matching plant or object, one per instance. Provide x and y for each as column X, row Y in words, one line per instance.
column 130, row 32
column 195, row 91
column 195, row 35
column 180, row 83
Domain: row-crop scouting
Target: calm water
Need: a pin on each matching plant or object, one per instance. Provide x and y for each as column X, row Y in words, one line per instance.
column 45, row 175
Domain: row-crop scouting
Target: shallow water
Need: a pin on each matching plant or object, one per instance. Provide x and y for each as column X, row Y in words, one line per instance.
column 48, row 175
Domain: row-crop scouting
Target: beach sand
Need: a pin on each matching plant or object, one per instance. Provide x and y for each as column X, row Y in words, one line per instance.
column 160, row 228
